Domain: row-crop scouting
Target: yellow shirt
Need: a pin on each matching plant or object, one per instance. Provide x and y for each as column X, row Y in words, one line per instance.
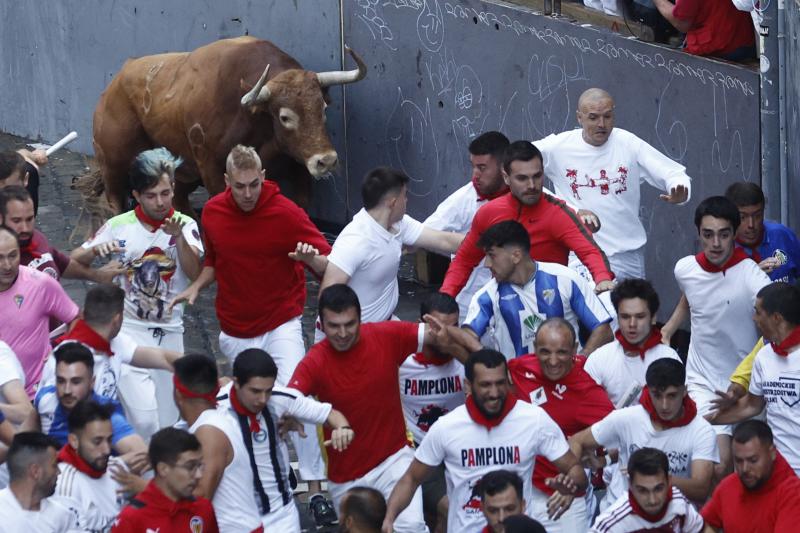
column 745, row 369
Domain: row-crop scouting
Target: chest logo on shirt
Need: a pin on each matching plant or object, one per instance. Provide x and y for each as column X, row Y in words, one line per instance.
column 538, row 396
column 18, row 299
column 490, row 456
column 559, row 391
column 429, row 415
column 473, row 504
column 147, row 283
column 785, row 389
column 548, row 295
column 260, row 436
column 781, row 256
column 604, row 182
column 196, row 524
column 431, row 387
column 532, row 322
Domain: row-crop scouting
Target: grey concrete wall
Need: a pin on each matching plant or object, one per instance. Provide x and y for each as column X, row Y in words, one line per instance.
column 793, row 109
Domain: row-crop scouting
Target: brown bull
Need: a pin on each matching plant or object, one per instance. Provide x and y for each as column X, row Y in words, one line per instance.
column 200, row 104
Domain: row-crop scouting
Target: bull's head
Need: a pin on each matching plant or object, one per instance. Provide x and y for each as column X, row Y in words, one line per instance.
column 295, row 101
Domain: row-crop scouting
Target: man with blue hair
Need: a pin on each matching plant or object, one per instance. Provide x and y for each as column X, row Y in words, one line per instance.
column 159, row 248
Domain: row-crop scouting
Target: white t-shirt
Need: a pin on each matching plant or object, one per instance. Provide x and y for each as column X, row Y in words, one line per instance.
column 620, row 375
column 154, row 275
column 370, row 255
column 470, row 450
column 607, row 180
column 97, row 501
column 455, row 213
column 777, row 379
column 428, row 392
column 680, row 517
column 721, row 305
column 511, row 314
column 10, row 369
column 630, row 429
column 234, row 500
column 55, row 515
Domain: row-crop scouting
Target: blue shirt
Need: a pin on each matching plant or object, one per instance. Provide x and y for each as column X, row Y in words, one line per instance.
column 779, row 242
column 53, row 417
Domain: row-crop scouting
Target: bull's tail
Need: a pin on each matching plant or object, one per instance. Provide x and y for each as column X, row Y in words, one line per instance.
column 95, row 209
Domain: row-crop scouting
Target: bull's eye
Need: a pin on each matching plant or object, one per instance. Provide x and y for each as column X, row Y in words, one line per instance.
column 288, row 118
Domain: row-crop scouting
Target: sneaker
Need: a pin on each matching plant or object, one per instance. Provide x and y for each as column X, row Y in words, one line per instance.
column 322, row 510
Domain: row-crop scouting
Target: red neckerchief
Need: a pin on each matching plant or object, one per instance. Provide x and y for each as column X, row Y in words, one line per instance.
column 644, row 514
column 791, row 340
column 489, row 423
column 210, row 397
column 651, row 342
column 497, row 194
column 240, row 409
column 736, row 257
column 83, row 333
column 30, row 248
column 154, row 496
column 153, row 223
column 70, row 456
column 423, row 359
column 689, row 411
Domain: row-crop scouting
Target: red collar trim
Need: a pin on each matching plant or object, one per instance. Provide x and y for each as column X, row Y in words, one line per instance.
column 791, row 340
column 754, row 248
column 210, row 397
column 423, row 359
column 650, row 342
column 497, row 194
column 32, row 247
column 644, row 514
column 68, row 455
column 153, row 223
column 240, row 409
column 83, row 333
column 689, row 411
column 736, row 257
column 489, row 423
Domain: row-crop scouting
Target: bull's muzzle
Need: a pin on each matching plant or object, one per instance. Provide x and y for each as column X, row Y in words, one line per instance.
column 322, row 163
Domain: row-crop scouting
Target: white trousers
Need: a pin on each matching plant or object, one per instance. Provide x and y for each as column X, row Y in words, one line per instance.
column 628, row 264
column 285, row 345
column 573, row 521
column 286, row 519
column 383, row 478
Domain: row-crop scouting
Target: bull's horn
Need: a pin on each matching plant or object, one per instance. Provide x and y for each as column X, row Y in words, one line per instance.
column 259, row 93
column 338, row 77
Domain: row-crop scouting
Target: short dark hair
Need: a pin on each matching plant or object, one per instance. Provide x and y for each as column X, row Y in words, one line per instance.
column 74, row 352
column 497, row 481
column 631, row 288
column 366, row 506
column 753, row 429
column 149, row 166
column 253, row 363
column 10, row 232
column 439, row 302
column 508, row 232
column 487, row 357
column 491, row 143
column 782, row 298
column 745, row 193
column 86, row 411
column 648, row 462
column 380, row 181
column 197, row 372
column 168, row 443
column 519, row 151
column 717, row 207
column 102, row 302
column 10, row 162
column 338, row 298
column 561, row 322
column 665, row 372
column 520, row 523
column 27, row 448
column 12, row 192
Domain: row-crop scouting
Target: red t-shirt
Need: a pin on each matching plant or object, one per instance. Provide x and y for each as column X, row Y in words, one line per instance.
column 718, row 28
column 259, row 286
column 774, row 508
column 554, row 229
column 43, row 257
column 362, row 384
column 151, row 510
column 575, row 402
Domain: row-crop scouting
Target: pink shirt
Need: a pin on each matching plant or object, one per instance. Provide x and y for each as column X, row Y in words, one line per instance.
column 25, row 311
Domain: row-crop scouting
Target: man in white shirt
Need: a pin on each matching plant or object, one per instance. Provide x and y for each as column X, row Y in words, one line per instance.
column 601, row 168
column 160, row 249
column 653, row 503
column 14, row 402
column 666, row 419
column 619, row 366
column 456, row 212
column 524, row 293
column 491, row 430
column 775, row 383
column 88, row 469
column 719, row 287
column 28, row 504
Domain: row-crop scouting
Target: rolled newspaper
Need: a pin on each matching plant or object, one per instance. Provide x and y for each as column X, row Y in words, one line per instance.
column 68, row 138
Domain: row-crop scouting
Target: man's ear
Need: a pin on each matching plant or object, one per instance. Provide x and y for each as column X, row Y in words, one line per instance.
column 72, row 440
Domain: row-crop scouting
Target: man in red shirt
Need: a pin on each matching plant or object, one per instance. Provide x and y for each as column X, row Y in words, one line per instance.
column 554, row 379
column 250, row 230
column 167, row 504
column 554, row 228
column 762, row 495
column 356, row 369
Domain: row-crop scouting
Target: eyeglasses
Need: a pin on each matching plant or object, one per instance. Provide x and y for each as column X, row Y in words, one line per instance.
column 192, row 466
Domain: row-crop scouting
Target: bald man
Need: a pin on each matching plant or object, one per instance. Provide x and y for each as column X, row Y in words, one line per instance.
column 601, row 168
